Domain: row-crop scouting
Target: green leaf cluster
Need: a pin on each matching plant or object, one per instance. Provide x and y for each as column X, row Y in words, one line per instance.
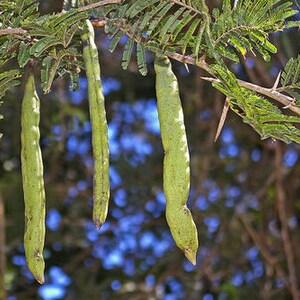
column 48, row 40
column 246, row 26
column 266, row 118
column 188, row 28
column 160, row 26
column 290, row 78
column 55, row 46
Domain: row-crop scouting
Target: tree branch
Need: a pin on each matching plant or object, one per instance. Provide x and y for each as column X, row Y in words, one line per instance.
column 286, row 240
column 260, row 244
column 2, row 250
column 18, row 30
column 287, row 101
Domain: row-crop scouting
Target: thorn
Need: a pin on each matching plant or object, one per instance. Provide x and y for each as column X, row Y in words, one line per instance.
column 210, row 79
column 293, row 102
column 40, row 280
column 274, row 87
column 222, row 118
column 187, row 67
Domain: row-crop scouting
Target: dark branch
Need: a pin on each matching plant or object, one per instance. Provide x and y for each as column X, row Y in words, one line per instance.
column 18, row 30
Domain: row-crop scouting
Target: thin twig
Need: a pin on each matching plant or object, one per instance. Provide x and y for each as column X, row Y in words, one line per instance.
column 8, row 31
column 259, row 243
column 189, row 60
column 286, row 239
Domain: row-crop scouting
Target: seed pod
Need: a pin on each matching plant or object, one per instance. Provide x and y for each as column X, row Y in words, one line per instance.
column 176, row 160
column 99, row 127
column 33, row 182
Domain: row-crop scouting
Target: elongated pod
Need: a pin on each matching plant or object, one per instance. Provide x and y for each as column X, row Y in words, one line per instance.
column 176, row 160
column 99, row 127
column 33, row 182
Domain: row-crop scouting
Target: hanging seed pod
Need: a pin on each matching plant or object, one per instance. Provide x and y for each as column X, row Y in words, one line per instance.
column 176, row 160
column 99, row 127
column 33, row 182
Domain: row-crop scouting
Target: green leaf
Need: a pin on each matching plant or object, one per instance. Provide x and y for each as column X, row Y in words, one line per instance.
column 291, row 72
column 24, row 54
column 8, row 80
column 45, row 72
column 139, row 6
column 41, row 45
column 115, row 40
column 127, row 53
column 141, row 59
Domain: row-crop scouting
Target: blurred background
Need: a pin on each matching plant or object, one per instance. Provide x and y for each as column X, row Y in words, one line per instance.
column 245, row 192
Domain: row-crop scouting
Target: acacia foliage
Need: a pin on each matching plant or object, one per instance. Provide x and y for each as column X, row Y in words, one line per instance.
column 185, row 29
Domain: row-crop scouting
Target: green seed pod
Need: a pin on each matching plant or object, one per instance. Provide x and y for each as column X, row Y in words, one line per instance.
column 176, row 160
column 33, row 182
column 99, row 127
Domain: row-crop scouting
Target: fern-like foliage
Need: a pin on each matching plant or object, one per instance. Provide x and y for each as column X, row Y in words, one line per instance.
column 12, row 11
column 290, row 78
column 246, row 26
column 163, row 26
column 48, row 39
column 12, row 15
column 157, row 25
column 186, row 27
column 266, row 118
column 56, row 46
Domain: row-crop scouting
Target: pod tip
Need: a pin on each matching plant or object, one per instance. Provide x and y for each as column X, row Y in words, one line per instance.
column 40, row 279
column 36, row 266
column 190, row 255
column 98, row 223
